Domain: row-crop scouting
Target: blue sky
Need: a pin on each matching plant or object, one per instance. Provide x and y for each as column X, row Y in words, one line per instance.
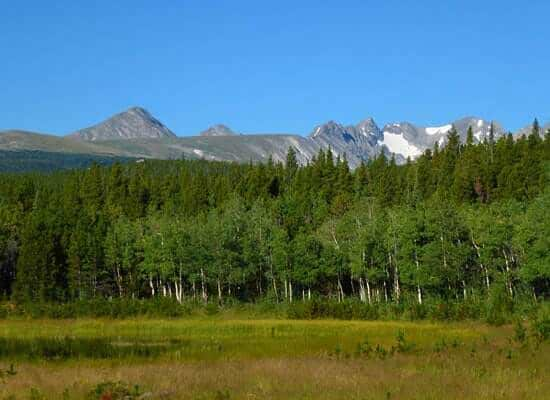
column 279, row 66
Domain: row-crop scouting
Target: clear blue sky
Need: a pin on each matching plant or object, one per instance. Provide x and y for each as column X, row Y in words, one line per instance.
column 278, row 66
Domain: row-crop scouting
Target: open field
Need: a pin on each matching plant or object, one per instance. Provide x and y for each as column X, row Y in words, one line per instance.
column 213, row 358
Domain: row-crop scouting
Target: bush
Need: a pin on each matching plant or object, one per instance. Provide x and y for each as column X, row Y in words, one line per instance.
column 540, row 326
column 500, row 306
column 319, row 308
column 100, row 308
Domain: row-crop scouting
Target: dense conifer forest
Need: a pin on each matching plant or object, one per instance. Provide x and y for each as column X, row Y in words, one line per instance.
column 456, row 224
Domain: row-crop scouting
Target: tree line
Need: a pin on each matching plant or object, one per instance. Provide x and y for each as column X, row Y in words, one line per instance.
column 451, row 225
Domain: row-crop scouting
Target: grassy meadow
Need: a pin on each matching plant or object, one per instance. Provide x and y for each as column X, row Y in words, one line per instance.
column 221, row 358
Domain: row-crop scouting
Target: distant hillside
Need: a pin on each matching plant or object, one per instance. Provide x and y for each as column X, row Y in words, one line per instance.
column 33, row 160
column 24, row 140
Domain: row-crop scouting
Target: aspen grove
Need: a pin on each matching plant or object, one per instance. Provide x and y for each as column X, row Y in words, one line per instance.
column 451, row 225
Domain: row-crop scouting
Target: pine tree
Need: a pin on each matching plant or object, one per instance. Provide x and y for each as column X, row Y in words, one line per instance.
column 535, row 130
column 470, row 137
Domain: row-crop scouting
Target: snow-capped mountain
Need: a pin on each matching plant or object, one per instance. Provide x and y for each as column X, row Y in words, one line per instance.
column 403, row 140
column 409, row 140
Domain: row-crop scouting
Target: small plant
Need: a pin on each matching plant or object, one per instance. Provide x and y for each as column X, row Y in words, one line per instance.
column 222, row 395
column 381, row 352
column 36, row 394
column 455, row 343
column 338, row 350
column 541, row 326
column 520, row 333
column 403, row 346
column 509, row 354
column 115, row 391
column 364, row 349
column 440, row 345
column 6, row 373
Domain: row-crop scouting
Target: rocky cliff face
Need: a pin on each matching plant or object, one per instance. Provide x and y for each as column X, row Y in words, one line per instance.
column 357, row 142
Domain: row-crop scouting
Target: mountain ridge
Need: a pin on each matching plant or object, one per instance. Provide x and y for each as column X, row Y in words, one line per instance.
column 135, row 133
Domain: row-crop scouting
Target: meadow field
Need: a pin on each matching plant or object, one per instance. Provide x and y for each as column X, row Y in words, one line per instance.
column 219, row 358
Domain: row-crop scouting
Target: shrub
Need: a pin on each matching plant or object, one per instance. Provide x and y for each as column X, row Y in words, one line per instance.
column 520, row 333
column 540, row 326
column 115, row 391
column 499, row 306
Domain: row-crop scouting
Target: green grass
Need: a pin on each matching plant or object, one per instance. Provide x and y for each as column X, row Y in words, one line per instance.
column 210, row 338
column 216, row 357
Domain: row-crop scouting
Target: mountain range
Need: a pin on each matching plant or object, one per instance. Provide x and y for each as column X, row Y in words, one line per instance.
column 135, row 133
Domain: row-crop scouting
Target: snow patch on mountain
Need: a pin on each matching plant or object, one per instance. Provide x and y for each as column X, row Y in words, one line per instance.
column 438, row 129
column 397, row 144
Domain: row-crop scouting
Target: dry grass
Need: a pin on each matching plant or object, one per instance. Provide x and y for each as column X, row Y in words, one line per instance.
column 481, row 364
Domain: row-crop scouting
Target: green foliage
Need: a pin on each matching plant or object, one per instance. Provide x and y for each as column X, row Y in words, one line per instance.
column 403, row 346
column 540, row 325
column 100, row 308
column 435, row 238
column 520, row 332
column 499, row 307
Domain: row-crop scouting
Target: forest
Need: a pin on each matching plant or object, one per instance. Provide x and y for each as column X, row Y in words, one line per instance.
column 456, row 224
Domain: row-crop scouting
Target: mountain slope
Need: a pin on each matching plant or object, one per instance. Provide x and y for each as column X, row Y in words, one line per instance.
column 134, row 123
column 239, row 148
column 14, row 140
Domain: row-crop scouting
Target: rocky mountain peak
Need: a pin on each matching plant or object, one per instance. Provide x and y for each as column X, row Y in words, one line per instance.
column 136, row 122
column 218, row 130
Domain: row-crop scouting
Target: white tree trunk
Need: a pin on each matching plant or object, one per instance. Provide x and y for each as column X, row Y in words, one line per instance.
column 152, row 286
column 362, row 295
column 203, row 287
column 290, row 290
column 368, row 291
column 508, row 277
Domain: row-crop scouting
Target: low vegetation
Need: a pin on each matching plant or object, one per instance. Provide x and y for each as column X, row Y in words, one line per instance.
column 217, row 357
